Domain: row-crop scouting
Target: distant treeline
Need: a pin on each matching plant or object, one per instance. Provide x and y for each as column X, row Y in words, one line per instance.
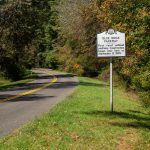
column 52, row 33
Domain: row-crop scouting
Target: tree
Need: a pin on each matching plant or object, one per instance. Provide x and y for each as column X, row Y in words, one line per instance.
column 21, row 27
column 79, row 38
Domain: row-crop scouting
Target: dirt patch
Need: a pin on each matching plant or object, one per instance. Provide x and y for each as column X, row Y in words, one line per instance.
column 128, row 140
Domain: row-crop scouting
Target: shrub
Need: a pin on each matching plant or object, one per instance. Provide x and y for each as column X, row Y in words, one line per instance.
column 51, row 60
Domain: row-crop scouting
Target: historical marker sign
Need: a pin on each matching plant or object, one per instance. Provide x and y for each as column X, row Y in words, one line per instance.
column 111, row 44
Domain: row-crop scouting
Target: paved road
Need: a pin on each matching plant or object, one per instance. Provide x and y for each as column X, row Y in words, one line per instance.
column 16, row 112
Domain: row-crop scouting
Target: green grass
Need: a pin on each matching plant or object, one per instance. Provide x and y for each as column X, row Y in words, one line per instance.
column 6, row 83
column 83, row 122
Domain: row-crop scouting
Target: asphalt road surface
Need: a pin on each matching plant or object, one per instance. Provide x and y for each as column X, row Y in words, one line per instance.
column 24, row 103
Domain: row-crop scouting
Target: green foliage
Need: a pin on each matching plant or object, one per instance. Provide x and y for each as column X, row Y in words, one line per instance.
column 12, row 70
column 51, row 60
column 89, row 64
column 48, row 59
column 104, row 75
column 130, row 16
column 25, row 29
column 142, row 82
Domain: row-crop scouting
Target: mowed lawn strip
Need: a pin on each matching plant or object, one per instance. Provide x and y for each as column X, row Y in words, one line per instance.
column 83, row 121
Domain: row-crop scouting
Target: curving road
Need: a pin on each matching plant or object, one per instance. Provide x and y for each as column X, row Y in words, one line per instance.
column 24, row 103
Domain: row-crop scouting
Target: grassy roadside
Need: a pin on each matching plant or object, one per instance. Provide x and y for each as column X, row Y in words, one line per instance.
column 6, row 83
column 83, row 122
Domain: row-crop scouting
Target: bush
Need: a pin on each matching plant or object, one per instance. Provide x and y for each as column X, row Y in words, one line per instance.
column 145, row 98
column 104, row 75
column 89, row 65
column 142, row 83
column 51, row 60
column 11, row 69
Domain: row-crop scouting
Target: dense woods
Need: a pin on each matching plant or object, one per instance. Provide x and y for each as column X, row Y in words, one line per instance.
column 48, row 33
column 25, row 31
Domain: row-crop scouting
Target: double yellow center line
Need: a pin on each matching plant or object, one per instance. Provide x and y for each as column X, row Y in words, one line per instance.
column 30, row 91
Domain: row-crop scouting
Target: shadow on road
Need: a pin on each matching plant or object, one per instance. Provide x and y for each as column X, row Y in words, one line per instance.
column 31, row 97
column 41, row 81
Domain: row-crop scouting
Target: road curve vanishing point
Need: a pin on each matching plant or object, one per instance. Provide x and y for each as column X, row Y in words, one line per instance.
column 27, row 102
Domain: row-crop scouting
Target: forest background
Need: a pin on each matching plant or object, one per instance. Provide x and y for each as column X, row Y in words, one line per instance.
column 62, row 35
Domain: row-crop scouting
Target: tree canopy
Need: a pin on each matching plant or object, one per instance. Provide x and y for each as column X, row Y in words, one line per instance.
column 24, row 28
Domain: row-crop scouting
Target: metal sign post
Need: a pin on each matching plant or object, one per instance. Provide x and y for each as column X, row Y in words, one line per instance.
column 111, row 44
column 111, row 85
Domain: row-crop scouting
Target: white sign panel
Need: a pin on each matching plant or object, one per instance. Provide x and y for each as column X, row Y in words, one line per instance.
column 111, row 44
